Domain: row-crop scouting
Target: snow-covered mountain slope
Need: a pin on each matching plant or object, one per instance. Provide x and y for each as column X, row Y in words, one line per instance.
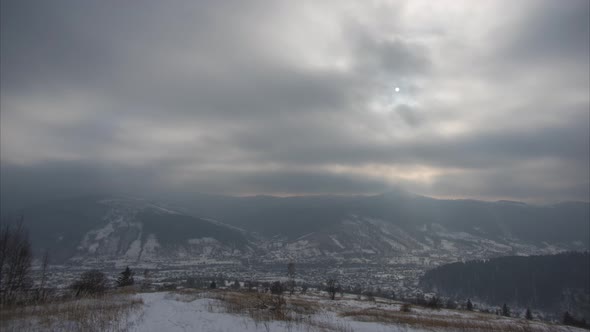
column 384, row 229
column 132, row 230
column 358, row 239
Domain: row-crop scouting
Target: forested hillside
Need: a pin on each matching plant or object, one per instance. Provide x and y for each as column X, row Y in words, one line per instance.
column 554, row 283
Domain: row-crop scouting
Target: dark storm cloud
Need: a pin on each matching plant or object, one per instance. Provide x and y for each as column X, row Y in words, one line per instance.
column 312, row 143
column 257, row 97
column 288, row 182
column 206, row 60
column 55, row 180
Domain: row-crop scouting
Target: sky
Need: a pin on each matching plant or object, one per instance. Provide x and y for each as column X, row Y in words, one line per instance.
column 481, row 99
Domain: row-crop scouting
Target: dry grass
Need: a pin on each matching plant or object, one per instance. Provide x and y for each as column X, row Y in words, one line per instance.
column 478, row 322
column 107, row 312
column 291, row 311
column 263, row 307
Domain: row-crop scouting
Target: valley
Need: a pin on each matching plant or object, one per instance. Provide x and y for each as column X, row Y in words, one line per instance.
column 383, row 242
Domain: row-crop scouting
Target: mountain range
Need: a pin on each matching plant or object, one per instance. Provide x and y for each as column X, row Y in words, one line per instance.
column 391, row 228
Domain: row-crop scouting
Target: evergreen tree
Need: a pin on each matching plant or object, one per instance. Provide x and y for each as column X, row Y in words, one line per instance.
column 213, row 285
column 126, row 278
column 528, row 315
column 522, row 281
column 505, row 310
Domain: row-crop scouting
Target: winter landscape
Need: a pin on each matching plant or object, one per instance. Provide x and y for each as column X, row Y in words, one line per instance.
column 204, row 275
column 387, row 165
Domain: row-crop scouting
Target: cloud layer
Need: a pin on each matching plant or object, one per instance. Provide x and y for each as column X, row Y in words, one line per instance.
column 299, row 97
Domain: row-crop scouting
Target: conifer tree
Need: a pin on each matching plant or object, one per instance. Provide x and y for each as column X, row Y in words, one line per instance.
column 126, row 278
column 528, row 315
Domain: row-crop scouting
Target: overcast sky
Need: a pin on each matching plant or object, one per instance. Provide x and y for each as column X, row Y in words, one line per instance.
column 297, row 97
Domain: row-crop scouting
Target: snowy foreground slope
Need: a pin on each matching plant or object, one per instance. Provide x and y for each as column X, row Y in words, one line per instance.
column 225, row 311
column 211, row 312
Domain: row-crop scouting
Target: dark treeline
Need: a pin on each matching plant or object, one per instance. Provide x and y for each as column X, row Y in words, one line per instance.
column 553, row 283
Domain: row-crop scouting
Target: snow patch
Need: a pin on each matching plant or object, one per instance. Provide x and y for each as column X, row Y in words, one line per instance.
column 333, row 237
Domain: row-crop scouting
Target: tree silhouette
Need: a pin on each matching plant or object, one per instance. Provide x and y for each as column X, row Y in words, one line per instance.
column 277, row 288
column 505, row 310
column 291, row 274
column 16, row 256
column 125, row 278
column 469, row 305
column 332, row 288
column 90, row 282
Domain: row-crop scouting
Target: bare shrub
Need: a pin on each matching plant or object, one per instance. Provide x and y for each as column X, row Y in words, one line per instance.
column 434, row 302
column 90, row 282
column 442, row 322
column 96, row 313
column 264, row 307
column 332, row 288
column 277, row 288
column 15, row 261
column 406, row 307
column 42, row 292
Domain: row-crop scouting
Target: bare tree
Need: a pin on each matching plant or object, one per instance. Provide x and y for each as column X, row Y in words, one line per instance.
column 147, row 280
column 291, row 274
column 15, row 261
column 5, row 237
column 332, row 288
column 277, row 288
column 41, row 291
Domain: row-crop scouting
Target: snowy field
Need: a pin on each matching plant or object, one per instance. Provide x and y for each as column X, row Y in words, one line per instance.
column 206, row 312
column 224, row 311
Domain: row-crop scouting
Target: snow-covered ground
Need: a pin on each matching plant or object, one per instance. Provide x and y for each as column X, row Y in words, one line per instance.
column 176, row 312
column 226, row 311
column 206, row 312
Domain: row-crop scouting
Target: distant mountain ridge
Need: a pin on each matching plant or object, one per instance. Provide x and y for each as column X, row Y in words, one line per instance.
column 392, row 228
column 132, row 229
